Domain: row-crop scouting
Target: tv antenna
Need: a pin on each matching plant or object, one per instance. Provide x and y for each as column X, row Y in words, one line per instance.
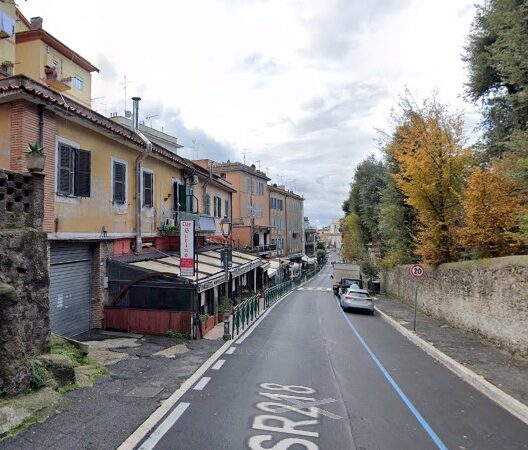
column 124, row 83
column 195, row 149
column 245, row 154
column 149, row 117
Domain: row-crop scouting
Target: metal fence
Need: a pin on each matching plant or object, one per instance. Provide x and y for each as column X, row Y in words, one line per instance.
column 244, row 313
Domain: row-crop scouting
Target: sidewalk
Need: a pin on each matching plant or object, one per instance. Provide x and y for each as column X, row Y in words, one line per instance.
column 507, row 372
column 144, row 371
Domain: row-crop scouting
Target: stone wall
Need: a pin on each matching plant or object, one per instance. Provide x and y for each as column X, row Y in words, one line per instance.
column 24, row 278
column 488, row 297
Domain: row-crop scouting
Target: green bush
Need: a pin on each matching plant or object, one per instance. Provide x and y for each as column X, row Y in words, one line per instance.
column 176, row 335
column 39, row 375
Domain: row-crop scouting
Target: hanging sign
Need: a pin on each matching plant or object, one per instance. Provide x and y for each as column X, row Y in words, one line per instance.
column 187, row 248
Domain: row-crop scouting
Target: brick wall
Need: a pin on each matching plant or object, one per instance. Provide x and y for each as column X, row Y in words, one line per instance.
column 24, row 131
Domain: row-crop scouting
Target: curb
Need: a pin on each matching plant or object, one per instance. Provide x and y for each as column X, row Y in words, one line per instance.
column 506, row 401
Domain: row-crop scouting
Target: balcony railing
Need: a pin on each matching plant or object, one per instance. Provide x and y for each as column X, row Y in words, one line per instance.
column 262, row 249
column 202, row 222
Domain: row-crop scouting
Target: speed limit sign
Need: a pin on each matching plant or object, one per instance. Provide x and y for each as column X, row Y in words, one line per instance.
column 417, row 271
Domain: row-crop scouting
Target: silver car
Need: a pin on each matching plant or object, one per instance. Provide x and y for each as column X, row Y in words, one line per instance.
column 354, row 297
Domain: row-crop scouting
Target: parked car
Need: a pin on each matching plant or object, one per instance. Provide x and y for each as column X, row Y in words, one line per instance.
column 353, row 297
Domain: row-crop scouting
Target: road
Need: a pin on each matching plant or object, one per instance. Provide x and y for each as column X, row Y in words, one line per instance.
column 312, row 377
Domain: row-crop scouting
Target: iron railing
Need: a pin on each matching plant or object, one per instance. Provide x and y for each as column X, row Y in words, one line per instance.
column 244, row 314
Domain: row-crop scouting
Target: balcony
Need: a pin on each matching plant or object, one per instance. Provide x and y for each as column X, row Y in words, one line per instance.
column 204, row 224
column 53, row 80
column 263, row 249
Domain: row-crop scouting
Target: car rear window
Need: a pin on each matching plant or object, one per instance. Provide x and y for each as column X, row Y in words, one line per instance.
column 358, row 294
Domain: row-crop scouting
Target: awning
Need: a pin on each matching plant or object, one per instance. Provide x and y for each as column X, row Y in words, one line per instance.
column 272, row 272
column 210, row 269
column 309, row 260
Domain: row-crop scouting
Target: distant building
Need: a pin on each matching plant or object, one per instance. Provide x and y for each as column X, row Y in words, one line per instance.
column 286, row 215
column 331, row 234
column 310, row 238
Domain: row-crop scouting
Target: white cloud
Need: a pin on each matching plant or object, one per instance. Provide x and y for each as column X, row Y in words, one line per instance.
column 302, row 84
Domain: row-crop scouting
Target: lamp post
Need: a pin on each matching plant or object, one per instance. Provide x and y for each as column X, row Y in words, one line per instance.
column 226, row 225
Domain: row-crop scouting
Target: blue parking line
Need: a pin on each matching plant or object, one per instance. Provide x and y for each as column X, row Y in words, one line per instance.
column 397, row 388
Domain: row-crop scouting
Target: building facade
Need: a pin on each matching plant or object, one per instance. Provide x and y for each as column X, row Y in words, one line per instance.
column 310, row 238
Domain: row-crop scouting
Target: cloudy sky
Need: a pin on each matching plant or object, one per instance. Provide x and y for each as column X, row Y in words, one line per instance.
column 301, row 85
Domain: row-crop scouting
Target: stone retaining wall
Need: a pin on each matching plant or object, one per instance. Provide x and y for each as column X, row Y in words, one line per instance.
column 488, row 297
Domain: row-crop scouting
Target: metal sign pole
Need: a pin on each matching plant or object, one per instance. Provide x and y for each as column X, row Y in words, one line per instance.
column 415, row 304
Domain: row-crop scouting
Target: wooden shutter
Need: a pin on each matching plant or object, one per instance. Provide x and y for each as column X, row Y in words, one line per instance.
column 119, row 182
column 219, row 207
column 65, row 170
column 207, row 204
column 226, row 213
column 147, row 189
column 82, row 173
column 182, row 197
column 190, row 199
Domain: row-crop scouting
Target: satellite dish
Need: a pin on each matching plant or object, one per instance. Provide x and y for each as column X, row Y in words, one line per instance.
column 128, row 114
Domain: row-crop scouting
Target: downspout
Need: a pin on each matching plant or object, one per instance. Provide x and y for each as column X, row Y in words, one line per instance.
column 204, row 193
column 41, row 124
column 144, row 153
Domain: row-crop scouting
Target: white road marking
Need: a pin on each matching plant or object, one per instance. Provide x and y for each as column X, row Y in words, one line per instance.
column 201, row 384
column 165, row 426
column 218, row 364
column 230, row 350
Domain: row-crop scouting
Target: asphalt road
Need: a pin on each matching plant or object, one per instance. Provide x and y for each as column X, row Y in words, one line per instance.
column 312, row 377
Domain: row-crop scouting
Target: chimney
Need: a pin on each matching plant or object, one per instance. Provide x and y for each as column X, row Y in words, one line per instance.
column 253, row 167
column 36, row 23
column 135, row 112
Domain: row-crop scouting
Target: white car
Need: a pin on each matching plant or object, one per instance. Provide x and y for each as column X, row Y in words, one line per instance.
column 354, row 297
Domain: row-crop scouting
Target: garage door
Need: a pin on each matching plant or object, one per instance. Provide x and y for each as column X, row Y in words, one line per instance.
column 70, row 270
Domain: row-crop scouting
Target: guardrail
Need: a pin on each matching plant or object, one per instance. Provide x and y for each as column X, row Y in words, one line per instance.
column 244, row 313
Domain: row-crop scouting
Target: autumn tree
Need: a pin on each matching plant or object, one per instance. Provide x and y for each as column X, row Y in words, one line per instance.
column 352, row 243
column 493, row 204
column 428, row 147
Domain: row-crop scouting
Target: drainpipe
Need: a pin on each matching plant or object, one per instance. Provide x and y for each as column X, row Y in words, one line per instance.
column 139, row 160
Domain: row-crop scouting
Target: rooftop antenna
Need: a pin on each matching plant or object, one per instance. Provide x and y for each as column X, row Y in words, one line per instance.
column 195, row 149
column 150, row 116
column 245, row 154
column 124, row 84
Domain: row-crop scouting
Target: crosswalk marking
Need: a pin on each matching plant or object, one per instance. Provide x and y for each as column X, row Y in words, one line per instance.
column 325, row 289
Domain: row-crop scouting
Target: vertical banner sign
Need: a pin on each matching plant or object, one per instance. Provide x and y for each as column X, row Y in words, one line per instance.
column 187, row 248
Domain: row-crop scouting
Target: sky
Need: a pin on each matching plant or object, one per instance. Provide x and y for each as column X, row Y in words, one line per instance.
column 298, row 86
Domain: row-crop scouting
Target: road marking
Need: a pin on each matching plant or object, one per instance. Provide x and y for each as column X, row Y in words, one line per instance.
column 303, row 405
column 218, row 364
column 434, row 437
column 201, row 384
column 165, row 426
column 230, row 350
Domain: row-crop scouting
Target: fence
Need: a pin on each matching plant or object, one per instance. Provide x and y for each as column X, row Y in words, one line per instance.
column 244, row 313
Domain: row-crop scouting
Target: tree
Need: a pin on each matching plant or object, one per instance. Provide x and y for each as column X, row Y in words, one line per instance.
column 365, row 195
column 321, row 256
column 493, row 204
column 427, row 146
column 352, row 243
column 497, row 57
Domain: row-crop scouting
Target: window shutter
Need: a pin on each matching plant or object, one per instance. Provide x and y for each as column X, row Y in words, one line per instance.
column 65, row 169
column 119, row 182
column 182, row 197
column 226, row 213
column 207, row 204
column 83, row 173
column 190, row 199
column 219, row 207
column 175, row 191
column 147, row 189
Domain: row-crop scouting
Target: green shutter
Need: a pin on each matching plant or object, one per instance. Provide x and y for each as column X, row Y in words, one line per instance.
column 219, row 207
column 83, row 172
column 182, row 197
column 207, row 204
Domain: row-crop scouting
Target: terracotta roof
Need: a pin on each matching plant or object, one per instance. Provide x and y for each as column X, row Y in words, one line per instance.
column 285, row 192
column 44, row 36
column 239, row 167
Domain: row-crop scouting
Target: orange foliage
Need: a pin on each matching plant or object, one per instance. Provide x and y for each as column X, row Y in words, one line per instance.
column 492, row 206
column 432, row 161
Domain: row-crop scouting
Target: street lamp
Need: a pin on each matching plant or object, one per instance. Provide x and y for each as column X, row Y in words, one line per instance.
column 225, row 225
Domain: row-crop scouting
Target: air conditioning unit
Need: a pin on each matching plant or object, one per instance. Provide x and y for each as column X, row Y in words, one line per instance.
column 169, row 222
column 194, row 179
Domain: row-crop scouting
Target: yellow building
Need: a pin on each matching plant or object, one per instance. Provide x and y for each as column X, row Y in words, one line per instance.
column 286, row 212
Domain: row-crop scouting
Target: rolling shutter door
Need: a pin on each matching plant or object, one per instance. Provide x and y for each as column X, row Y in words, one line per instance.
column 70, row 273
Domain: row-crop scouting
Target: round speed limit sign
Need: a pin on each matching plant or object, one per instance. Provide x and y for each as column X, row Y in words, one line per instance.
column 417, row 271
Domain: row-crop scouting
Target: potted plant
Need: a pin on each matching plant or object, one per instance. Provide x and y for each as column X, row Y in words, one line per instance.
column 35, row 158
column 7, row 67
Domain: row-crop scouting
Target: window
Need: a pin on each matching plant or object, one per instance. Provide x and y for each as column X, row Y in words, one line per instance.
column 78, row 82
column 73, row 171
column 258, row 211
column 249, row 185
column 260, row 188
column 226, row 208
column 207, row 204
column 249, row 209
column 190, row 199
column 148, row 189
column 119, row 182
column 217, row 207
